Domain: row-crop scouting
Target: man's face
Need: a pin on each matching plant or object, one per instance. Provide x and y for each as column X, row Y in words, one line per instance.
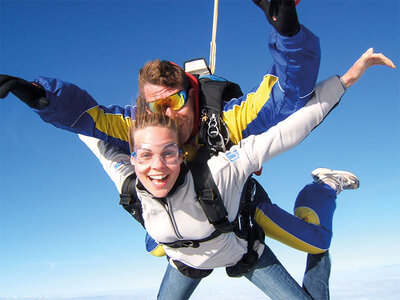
column 184, row 116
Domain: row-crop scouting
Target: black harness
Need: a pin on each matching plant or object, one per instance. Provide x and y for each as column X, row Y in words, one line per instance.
column 244, row 225
column 214, row 137
column 214, row 92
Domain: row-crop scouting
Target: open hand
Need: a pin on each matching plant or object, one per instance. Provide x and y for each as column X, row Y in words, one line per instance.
column 368, row 59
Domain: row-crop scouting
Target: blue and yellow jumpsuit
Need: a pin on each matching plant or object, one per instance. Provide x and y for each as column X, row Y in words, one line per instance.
column 288, row 84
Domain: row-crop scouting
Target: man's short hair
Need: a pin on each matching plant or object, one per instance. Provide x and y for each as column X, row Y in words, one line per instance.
column 163, row 73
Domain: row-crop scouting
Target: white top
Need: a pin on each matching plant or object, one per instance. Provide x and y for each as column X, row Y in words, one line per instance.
column 183, row 218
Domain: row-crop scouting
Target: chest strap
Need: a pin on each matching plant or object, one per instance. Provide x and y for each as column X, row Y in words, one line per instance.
column 192, row 243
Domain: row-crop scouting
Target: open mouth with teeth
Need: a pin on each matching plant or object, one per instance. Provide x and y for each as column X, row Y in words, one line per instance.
column 158, row 179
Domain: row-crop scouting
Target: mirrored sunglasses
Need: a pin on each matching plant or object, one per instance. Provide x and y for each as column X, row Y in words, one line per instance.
column 175, row 102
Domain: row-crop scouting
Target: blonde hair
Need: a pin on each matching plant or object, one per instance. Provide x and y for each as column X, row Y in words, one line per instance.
column 143, row 119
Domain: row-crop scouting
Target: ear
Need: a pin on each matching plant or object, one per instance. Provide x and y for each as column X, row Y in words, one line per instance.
column 191, row 92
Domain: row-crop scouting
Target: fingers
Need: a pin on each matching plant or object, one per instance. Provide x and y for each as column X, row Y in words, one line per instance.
column 32, row 94
column 373, row 59
column 368, row 59
column 7, row 84
column 380, row 59
column 260, row 3
column 368, row 53
column 4, row 78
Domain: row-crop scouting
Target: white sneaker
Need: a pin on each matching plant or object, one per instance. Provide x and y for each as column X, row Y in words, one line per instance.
column 342, row 180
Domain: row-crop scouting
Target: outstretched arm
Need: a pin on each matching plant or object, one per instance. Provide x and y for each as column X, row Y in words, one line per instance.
column 288, row 83
column 296, row 127
column 71, row 108
column 368, row 59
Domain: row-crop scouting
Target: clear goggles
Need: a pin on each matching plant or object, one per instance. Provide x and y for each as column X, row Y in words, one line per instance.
column 175, row 102
column 146, row 154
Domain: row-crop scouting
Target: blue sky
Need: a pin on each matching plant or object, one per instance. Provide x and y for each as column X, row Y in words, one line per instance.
column 62, row 231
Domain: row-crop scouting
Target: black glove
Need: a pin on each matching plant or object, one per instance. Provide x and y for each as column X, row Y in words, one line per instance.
column 31, row 93
column 281, row 14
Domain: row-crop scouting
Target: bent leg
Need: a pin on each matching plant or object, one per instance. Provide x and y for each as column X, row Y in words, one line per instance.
column 271, row 277
column 316, row 204
column 176, row 286
column 315, row 199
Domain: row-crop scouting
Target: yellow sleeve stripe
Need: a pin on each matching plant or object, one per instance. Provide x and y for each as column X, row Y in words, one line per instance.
column 275, row 232
column 238, row 117
column 114, row 125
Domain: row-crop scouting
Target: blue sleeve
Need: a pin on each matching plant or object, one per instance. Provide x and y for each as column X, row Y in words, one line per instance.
column 296, row 64
column 287, row 86
column 73, row 109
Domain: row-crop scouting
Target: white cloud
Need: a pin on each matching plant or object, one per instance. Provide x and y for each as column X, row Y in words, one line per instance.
column 366, row 284
column 360, row 284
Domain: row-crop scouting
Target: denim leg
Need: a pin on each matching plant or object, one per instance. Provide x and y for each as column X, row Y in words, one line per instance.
column 316, row 277
column 176, row 286
column 271, row 277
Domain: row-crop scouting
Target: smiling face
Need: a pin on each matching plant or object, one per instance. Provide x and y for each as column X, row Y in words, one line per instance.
column 184, row 116
column 158, row 174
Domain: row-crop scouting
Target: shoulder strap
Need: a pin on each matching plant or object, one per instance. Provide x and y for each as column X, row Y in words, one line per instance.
column 208, row 194
column 129, row 199
column 214, row 92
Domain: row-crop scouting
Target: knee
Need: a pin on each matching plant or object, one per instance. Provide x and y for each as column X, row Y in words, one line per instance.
column 307, row 214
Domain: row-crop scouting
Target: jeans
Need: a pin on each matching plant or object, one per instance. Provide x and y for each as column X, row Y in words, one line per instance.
column 267, row 274
column 176, row 286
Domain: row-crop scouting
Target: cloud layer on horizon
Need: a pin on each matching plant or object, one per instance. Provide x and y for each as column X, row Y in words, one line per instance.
column 378, row 283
